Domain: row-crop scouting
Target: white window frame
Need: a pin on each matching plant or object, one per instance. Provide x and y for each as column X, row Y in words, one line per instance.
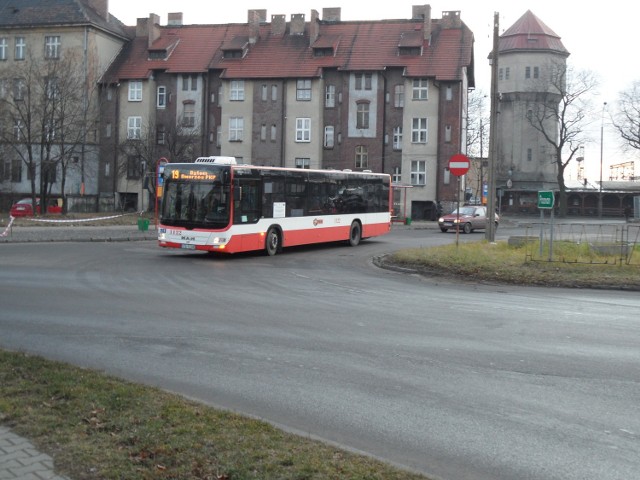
column 302, row 162
column 397, row 175
column 134, row 128
column 419, row 130
column 274, row 133
column 362, row 157
column 329, row 136
column 52, row 46
column 236, row 91
column 397, row 138
column 420, row 90
column 161, row 98
column 4, row 48
column 236, row 129
column 135, row 90
column 362, row 115
column 398, row 96
column 418, row 172
column 303, row 130
column 303, row 89
column 189, row 115
column 330, row 96
column 20, row 48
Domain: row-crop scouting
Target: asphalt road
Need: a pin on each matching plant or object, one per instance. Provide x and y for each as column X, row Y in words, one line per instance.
column 454, row 379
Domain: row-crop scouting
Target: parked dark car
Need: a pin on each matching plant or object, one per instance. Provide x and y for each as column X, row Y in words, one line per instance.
column 24, row 208
column 470, row 218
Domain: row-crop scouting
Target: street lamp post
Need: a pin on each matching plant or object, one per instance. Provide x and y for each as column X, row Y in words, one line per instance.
column 490, row 232
column 604, row 105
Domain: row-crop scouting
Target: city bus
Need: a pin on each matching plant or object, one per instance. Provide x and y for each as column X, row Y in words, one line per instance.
column 217, row 205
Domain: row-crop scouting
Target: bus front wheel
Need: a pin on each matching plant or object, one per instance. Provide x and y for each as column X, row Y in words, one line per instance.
column 355, row 234
column 272, row 242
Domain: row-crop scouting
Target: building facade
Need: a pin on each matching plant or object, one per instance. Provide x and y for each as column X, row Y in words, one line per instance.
column 51, row 58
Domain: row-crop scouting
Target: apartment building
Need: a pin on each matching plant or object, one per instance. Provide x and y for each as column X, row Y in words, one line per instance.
column 317, row 92
column 43, row 46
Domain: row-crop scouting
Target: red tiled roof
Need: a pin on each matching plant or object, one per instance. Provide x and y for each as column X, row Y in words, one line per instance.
column 530, row 33
column 360, row 46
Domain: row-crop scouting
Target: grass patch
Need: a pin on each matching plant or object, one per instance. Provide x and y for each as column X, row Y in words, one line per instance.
column 501, row 263
column 100, row 427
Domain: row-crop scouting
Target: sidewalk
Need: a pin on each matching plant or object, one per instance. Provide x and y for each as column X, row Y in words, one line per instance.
column 19, row 459
column 76, row 233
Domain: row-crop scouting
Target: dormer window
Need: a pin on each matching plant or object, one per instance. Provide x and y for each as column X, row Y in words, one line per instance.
column 232, row 54
column 323, row 52
column 236, row 48
column 410, row 51
column 410, row 43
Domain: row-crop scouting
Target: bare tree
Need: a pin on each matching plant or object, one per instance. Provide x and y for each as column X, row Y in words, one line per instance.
column 477, row 138
column 561, row 113
column 627, row 118
column 49, row 110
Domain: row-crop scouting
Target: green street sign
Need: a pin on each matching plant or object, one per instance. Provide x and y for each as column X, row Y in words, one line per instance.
column 545, row 199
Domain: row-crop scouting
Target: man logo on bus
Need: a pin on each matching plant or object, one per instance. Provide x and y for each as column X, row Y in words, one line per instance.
column 317, row 221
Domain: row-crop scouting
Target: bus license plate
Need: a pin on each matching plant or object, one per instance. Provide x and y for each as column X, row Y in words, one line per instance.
column 186, row 246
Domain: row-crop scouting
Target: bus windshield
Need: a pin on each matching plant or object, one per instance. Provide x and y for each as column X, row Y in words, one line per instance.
column 189, row 203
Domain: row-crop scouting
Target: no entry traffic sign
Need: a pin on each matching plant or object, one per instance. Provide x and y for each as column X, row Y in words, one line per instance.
column 459, row 164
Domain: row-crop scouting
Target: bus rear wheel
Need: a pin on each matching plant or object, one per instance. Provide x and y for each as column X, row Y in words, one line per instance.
column 355, row 234
column 272, row 242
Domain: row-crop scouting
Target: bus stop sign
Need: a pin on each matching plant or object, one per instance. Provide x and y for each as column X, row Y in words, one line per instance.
column 459, row 164
column 545, row 199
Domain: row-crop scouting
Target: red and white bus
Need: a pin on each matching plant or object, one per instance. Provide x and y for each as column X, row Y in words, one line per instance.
column 217, row 205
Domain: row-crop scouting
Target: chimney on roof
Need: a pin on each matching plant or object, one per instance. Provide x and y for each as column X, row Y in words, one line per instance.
column 451, row 19
column 255, row 17
column 423, row 12
column 278, row 25
column 314, row 27
column 175, row 19
column 149, row 27
column 297, row 24
column 101, row 7
column 331, row 14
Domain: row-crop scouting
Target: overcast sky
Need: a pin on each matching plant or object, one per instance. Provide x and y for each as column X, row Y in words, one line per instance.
column 602, row 37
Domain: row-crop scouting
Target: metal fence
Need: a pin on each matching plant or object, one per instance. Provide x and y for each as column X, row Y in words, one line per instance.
column 589, row 243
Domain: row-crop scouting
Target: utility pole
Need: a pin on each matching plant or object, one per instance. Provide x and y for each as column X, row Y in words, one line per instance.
column 490, row 232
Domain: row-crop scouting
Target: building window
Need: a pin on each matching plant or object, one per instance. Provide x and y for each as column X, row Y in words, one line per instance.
column 162, row 97
column 418, row 172
column 236, row 129
column 189, row 82
column 303, row 163
column 52, row 47
column 19, row 89
column 397, row 176
column 274, row 93
column 329, row 136
column 362, row 115
column 536, row 72
column 17, row 130
column 506, row 73
column 527, row 72
column 447, row 133
column 274, row 133
column 218, row 136
column 133, row 167
column 135, row 90
column 4, row 47
column 49, row 171
column 420, row 89
column 237, row 91
column 134, row 128
column 449, row 93
column 16, row 171
column 500, row 73
column 303, row 90
column 264, row 92
column 363, row 81
column 107, row 130
column 330, row 96
column 398, row 96
column 189, row 115
column 303, row 129
column 160, row 135
column 419, row 130
column 52, row 89
column 21, row 48
column 263, row 132
column 529, row 155
column 362, row 157
column 397, row 138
